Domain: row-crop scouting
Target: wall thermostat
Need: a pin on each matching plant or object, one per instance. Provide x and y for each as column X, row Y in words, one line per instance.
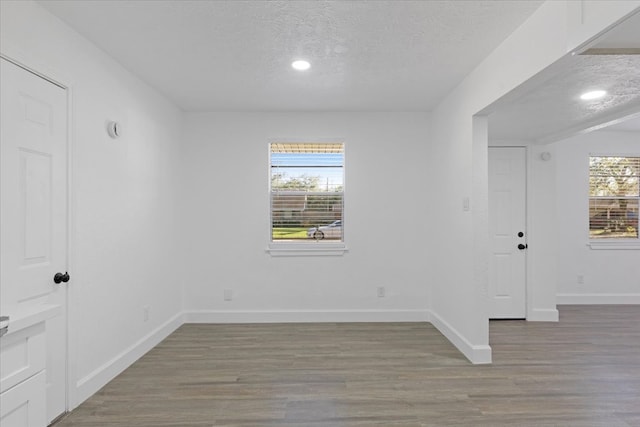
column 114, row 129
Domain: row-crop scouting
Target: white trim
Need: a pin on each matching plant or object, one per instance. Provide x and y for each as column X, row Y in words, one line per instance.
column 90, row 384
column 477, row 354
column 500, row 143
column 33, row 64
column 611, row 245
column 543, row 315
column 71, row 290
column 615, row 153
column 306, row 249
column 530, row 230
column 304, row 316
column 594, row 299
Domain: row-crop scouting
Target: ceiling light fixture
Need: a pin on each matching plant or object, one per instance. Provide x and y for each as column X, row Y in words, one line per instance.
column 301, row 65
column 594, row 94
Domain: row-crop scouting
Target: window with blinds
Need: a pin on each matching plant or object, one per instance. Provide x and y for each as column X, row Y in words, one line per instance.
column 307, row 191
column 614, row 196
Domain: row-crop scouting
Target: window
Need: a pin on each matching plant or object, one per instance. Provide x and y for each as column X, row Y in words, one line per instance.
column 307, row 192
column 614, row 195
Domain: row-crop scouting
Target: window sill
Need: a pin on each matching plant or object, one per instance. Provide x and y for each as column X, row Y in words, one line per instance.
column 617, row 245
column 306, row 249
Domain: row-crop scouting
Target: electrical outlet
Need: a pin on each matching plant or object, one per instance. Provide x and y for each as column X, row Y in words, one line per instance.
column 381, row 292
column 228, row 294
column 145, row 313
column 580, row 279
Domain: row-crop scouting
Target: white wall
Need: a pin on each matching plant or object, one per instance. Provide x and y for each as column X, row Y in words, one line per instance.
column 542, row 226
column 610, row 276
column 460, row 278
column 131, row 232
column 389, row 202
column 123, row 197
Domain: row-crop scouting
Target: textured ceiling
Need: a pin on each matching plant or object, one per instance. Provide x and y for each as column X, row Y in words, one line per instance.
column 554, row 108
column 548, row 107
column 236, row 55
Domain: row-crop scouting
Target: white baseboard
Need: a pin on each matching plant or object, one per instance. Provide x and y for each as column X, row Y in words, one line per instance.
column 543, row 315
column 304, row 316
column 595, row 299
column 90, row 384
column 477, row 354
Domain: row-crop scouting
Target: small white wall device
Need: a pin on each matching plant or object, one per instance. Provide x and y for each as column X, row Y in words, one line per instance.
column 114, row 129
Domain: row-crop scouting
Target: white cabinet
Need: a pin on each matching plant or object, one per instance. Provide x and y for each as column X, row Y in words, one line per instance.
column 22, row 368
column 25, row 404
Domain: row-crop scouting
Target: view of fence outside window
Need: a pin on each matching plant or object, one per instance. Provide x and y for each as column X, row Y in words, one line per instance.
column 614, row 196
column 307, row 191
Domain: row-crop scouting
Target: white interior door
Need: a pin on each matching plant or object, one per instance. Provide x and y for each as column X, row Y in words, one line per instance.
column 507, row 233
column 33, row 213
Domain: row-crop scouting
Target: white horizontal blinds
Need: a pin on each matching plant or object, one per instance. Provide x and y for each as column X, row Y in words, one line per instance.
column 614, row 196
column 307, row 191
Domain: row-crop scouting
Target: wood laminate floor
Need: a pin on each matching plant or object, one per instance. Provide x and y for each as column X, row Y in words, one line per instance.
column 582, row 371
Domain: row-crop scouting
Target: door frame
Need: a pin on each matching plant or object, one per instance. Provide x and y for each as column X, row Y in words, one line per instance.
column 528, row 292
column 33, row 65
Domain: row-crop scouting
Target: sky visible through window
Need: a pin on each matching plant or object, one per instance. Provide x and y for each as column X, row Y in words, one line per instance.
column 326, row 166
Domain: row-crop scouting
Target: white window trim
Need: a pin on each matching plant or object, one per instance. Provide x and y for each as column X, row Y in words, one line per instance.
column 312, row 247
column 613, row 244
column 306, row 249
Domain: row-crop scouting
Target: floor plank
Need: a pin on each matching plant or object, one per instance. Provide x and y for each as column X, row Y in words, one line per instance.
column 582, row 371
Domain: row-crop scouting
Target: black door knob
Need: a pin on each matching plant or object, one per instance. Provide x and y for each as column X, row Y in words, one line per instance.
column 522, row 247
column 59, row 277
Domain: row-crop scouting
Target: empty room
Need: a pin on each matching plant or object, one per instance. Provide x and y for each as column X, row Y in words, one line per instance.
column 320, row 213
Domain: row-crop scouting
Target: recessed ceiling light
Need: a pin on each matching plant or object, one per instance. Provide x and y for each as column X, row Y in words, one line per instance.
column 594, row 94
column 301, row 65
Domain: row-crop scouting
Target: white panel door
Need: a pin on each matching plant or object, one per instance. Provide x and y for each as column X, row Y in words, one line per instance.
column 507, row 233
column 33, row 213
